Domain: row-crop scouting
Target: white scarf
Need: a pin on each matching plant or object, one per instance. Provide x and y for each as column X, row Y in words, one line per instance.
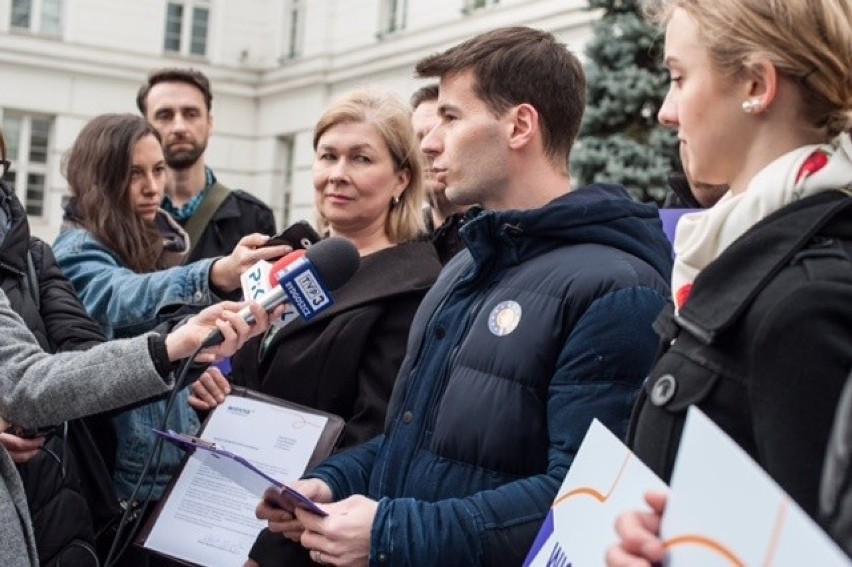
column 701, row 237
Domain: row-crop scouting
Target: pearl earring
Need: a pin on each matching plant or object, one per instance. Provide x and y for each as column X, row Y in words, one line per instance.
column 395, row 200
column 750, row 106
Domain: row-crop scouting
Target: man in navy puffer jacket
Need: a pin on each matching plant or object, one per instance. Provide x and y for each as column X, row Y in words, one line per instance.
column 541, row 325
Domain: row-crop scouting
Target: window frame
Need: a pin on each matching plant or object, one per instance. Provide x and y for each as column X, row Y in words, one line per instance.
column 286, row 150
column 294, row 27
column 187, row 25
column 472, row 6
column 23, row 166
column 36, row 18
column 393, row 17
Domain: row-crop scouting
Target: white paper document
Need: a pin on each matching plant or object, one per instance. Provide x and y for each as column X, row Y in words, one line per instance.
column 726, row 511
column 208, row 518
column 604, row 480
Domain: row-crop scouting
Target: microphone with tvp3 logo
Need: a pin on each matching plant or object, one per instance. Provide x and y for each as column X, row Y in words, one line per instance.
column 305, row 279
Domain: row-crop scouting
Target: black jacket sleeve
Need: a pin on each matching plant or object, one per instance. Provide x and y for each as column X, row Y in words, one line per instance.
column 835, row 499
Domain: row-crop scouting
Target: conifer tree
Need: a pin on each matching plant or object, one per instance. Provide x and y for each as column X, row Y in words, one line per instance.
column 620, row 139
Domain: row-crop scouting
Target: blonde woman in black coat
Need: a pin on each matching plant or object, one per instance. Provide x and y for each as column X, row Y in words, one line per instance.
column 367, row 178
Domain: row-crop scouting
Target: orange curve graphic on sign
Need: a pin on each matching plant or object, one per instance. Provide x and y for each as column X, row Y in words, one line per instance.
column 775, row 541
column 702, row 541
column 594, row 493
column 601, row 497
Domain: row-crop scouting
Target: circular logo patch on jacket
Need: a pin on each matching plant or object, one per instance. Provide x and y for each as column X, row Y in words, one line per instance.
column 504, row 318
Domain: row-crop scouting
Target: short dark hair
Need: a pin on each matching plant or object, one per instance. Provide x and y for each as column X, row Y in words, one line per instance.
column 424, row 94
column 192, row 77
column 517, row 65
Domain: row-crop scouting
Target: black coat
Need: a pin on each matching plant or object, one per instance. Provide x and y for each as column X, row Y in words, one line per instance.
column 445, row 238
column 60, row 323
column 763, row 346
column 60, row 513
column 238, row 215
column 345, row 360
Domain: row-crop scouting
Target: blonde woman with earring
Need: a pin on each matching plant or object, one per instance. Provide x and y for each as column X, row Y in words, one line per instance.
column 760, row 333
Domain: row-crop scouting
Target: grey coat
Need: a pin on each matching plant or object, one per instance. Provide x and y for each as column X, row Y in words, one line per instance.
column 38, row 389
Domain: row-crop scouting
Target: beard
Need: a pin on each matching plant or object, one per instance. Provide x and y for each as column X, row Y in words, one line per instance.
column 184, row 158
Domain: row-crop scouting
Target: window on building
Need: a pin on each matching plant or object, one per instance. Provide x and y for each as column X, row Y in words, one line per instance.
column 294, row 25
column 392, row 16
column 473, row 5
column 285, row 152
column 187, row 24
column 28, row 148
column 37, row 16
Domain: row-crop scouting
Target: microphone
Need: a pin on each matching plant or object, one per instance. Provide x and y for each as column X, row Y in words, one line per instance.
column 305, row 278
column 280, row 267
column 262, row 279
column 259, row 280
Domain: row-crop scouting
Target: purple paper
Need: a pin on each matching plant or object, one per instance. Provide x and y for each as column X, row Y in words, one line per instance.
column 670, row 218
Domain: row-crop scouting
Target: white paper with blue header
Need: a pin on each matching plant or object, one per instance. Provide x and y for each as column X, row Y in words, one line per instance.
column 208, row 518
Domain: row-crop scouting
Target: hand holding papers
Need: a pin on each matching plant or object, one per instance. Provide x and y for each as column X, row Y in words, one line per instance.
column 239, row 470
column 723, row 510
column 250, row 442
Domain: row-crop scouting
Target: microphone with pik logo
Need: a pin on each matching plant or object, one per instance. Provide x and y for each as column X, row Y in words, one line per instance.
column 303, row 278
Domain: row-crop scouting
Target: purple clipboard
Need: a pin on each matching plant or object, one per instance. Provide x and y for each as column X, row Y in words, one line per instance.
column 191, row 444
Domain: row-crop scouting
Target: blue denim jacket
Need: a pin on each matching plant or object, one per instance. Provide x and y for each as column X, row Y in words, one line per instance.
column 126, row 304
column 540, row 326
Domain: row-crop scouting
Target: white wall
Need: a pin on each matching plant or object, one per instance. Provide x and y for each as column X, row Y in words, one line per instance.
column 108, row 46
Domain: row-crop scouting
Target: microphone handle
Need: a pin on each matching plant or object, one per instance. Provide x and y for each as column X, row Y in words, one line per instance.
column 268, row 301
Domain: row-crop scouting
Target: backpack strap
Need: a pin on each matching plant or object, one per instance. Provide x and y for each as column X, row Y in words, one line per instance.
column 31, row 280
column 199, row 220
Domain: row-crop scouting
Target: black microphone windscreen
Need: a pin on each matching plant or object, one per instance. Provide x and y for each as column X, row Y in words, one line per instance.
column 336, row 260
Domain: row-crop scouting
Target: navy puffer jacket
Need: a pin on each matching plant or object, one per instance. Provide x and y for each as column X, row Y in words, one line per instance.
column 543, row 324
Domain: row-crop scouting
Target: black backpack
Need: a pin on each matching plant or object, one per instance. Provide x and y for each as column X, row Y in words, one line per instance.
column 81, row 463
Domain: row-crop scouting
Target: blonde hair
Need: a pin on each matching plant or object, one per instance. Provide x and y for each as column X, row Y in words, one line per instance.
column 391, row 118
column 808, row 41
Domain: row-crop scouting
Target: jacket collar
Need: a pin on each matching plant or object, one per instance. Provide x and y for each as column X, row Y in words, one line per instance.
column 679, row 185
column 16, row 240
column 725, row 289
column 175, row 240
column 598, row 214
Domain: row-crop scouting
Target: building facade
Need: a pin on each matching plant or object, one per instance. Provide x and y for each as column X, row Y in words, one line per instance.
column 274, row 66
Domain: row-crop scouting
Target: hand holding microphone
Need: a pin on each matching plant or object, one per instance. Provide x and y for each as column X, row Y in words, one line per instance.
column 225, row 272
column 227, row 320
column 210, row 389
column 305, row 280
